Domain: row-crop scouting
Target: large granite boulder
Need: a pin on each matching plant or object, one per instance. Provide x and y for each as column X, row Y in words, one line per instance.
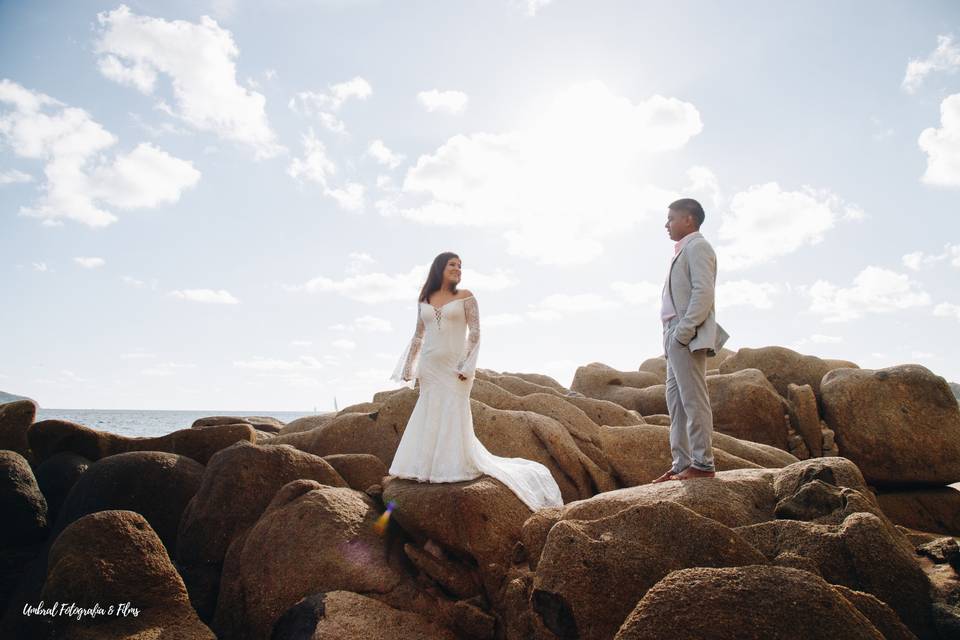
column 477, row 521
column 626, row 388
column 604, row 412
column 260, row 423
column 641, row 453
column 359, row 470
column 519, row 386
column 592, row 572
column 15, row 418
column 311, row 538
column 22, row 505
column 805, row 417
column 539, row 379
column 863, row 553
column 780, row 365
column 50, row 437
column 110, row 558
column 307, row 423
column 746, row 406
column 339, row 615
column 935, row 509
column 56, row 476
column 235, row 489
column 154, row 484
column 900, row 425
column 745, row 602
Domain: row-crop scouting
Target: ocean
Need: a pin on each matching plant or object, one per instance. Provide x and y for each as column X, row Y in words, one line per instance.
column 137, row 424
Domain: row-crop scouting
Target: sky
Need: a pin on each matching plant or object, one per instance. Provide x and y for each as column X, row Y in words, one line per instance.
column 233, row 204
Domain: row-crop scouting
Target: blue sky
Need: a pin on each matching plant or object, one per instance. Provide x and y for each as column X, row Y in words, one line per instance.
column 232, row 204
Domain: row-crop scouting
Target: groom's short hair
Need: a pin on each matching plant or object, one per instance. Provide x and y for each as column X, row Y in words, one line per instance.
column 691, row 206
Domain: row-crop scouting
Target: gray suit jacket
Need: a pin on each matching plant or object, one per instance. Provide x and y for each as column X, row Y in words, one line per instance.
column 692, row 281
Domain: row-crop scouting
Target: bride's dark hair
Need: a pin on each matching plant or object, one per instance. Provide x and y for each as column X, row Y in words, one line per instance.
column 435, row 277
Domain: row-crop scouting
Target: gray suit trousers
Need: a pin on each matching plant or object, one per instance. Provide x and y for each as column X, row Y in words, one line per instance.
column 691, row 418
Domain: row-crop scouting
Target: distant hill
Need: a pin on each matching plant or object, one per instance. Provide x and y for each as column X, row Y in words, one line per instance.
column 955, row 387
column 9, row 397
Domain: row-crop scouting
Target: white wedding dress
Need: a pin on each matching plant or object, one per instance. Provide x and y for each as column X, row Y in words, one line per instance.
column 439, row 444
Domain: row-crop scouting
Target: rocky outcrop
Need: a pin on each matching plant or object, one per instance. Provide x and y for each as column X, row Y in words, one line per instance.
column 15, row 418
column 311, row 538
column 781, row 366
column 56, row 476
column 936, row 509
column 50, row 437
column 215, row 516
column 22, row 504
column 156, row 485
column 114, row 557
column 738, row 602
column 900, row 425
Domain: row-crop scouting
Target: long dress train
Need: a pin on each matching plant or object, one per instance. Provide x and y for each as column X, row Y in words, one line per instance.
column 439, row 444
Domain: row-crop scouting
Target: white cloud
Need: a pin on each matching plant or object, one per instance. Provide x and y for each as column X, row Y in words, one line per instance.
column 918, row 259
column 946, row 57
column 766, row 222
column 89, row 263
column 210, row 296
column 382, row 154
column 874, row 290
column 359, row 261
column 819, row 338
column 947, row 310
column 316, row 167
column 301, row 343
column 558, row 305
column 532, row 6
column 14, row 177
column 320, row 105
column 133, row 282
column 373, row 288
column 446, row 101
column 746, row 293
column 79, row 176
column 560, row 187
column 167, row 368
column 303, row 363
column 346, row 345
column 502, row 319
column 199, row 59
column 139, row 354
column 942, row 146
column 41, row 267
column 639, row 293
column 373, row 324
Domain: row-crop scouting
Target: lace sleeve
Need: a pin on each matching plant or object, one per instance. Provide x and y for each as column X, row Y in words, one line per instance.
column 407, row 367
column 468, row 363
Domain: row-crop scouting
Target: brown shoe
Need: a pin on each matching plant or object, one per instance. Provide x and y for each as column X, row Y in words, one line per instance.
column 693, row 472
column 666, row 477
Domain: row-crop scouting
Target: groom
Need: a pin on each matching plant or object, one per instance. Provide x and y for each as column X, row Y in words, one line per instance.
column 690, row 334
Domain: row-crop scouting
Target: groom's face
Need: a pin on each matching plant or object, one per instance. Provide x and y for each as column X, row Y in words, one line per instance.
column 679, row 224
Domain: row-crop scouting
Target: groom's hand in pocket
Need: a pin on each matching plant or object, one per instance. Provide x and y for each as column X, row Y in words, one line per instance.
column 461, row 376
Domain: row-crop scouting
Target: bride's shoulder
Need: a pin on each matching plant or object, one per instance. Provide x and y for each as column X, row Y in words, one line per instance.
column 465, row 293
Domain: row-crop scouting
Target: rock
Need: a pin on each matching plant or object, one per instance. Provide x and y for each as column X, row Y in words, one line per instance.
column 260, row 423
column 805, row 417
column 307, row 423
column 714, row 362
column 311, row 538
column 49, row 437
column 359, row 470
column 376, row 433
column 840, row 364
column 879, row 614
column 479, row 520
column 114, row 557
column 781, row 367
column 639, row 454
column 739, row 602
column 863, row 553
column 360, row 407
column 604, row 412
column 56, row 476
column 236, row 487
column 900, row 425
column 813, row 500
column 585, row 562
column 657, row 366
column 539, row 379
column 337, row 615
column 942, row 551
column 623, row 387
column 746, row 406
column 22, row 505
column 154, row 484
column 936, row 509
column 15, row 418
column 454, row 578
column 662, row 419
column 519, row 386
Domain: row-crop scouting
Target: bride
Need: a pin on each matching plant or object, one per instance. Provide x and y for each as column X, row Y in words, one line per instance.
column 439, row 444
